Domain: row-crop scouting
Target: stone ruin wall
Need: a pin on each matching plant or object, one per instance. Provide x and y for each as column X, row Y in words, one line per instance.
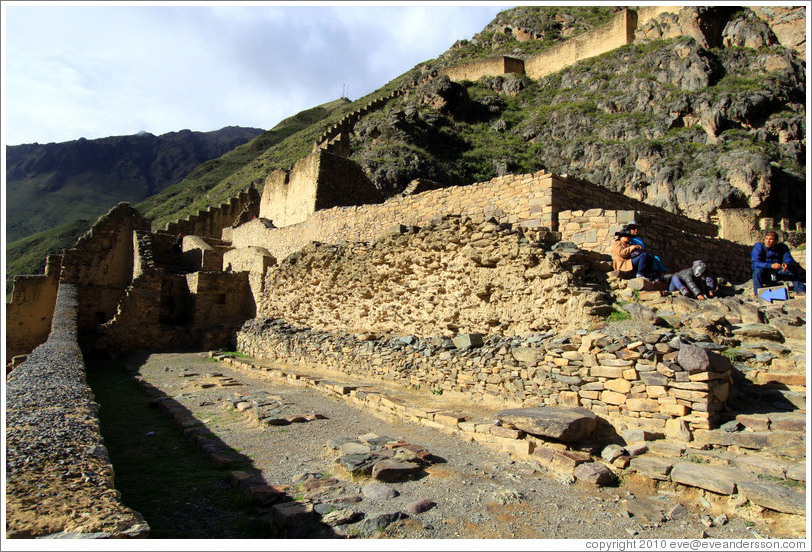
column 531, row 200
column 318, row 181
column 100, row 265
column 475, row 70
column 161, row 310
column 619, row 380
column 50, row 409
column 29, row 314
column 210, row 222
column 451, row 276
column 607, row 37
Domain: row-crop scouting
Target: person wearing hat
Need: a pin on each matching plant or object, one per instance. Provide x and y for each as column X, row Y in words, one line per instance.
column 657, row 266
column 629, row 258
column 694, row 282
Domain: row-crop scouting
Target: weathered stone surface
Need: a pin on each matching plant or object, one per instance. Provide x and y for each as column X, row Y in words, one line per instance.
column 468, row 341
column 652, row 467
column 525, row 354
column 371, row 526
column 378, row 491
column 611, row 452
column 357, row 464
column 774, row 496
column 395, row 470
column 341, row 516
column 711, row 478
column 288, row 513
column 695, row 359
column 678, row 430
column 353, row 447
column 419, row 506
column 594, row 472
column 758, row 331
column 645, row 510
column 562, row 423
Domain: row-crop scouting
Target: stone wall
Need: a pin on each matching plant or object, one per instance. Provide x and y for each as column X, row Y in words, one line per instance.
column 607, row 37
column 475, row 70
column 450, row 276
column 59, row 478
column 162, row 310
column 29, row 314
column 211, row 222
column 318, row 181
column 530, row 200
column 646, row 382
column 594, row 230
column 101, row 264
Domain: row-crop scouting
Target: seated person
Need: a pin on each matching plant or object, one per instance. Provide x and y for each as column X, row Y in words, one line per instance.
column 694, row 282
column 629, row 258
column 772, row 263
column 657, row 266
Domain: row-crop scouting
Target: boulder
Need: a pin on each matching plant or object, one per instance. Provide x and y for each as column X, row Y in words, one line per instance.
column 594, row 472
column 695, row 359
column 563, row 423
column 468, row 341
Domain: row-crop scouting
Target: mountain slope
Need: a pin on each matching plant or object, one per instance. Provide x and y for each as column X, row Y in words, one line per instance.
column 51, row 184
column 673, row 119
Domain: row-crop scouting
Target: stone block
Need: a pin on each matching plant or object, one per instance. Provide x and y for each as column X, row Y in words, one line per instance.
column 756, row 422
column 595, row 473
column 610, row 397
column 652, row 467
column 391, row 471
column 468, row 341
column 618, row 385
column 798, row 380
column 711, row 478
column 562, row 423
column 643, row 405
column 602, row 371
column 507, row 433
column 569, row 459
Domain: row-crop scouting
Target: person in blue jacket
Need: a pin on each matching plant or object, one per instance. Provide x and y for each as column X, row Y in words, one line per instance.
column 772, row 263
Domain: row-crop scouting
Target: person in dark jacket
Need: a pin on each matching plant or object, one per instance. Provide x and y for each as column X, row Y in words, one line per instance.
column 694, row 281
column 772, row 263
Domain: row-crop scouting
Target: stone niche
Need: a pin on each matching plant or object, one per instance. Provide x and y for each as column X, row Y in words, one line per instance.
column 319, row 181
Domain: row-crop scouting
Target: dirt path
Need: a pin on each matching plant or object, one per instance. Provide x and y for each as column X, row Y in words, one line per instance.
column 476, row 492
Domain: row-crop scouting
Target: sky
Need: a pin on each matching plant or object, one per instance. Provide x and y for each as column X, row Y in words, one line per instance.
column 91, row 70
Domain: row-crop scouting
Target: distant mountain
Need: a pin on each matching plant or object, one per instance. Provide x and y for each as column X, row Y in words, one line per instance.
column 51, row 184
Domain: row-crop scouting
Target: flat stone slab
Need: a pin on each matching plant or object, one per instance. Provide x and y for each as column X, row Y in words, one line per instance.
column 391, row 471
column 645, row 510
column 711, row 478
column 652, row 467
column 774, row 496
column 563, row 423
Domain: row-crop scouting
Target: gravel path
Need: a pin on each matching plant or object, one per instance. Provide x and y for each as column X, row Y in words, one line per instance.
column 478, row 493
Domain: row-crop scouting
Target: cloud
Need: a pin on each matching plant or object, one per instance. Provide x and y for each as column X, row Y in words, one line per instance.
column 98, row 71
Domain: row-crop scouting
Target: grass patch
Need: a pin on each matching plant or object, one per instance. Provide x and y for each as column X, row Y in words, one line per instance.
column 617, row 315
column 158, row 472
